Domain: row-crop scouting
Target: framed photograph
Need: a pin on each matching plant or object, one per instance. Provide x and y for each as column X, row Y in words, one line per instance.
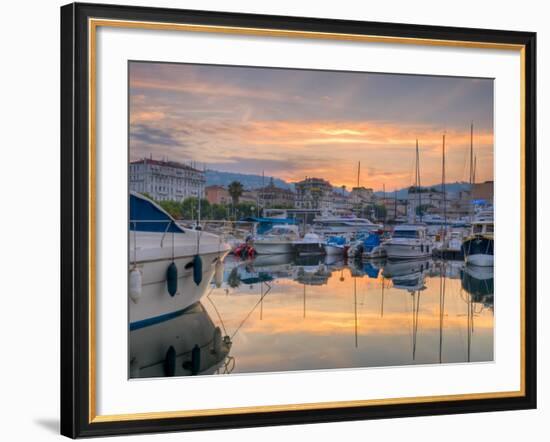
column 274, row 220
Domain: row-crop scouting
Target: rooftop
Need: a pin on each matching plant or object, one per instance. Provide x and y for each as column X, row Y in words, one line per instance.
column 165, row 164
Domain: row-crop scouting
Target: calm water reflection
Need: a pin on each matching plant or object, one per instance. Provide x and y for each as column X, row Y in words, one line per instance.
column 279, row 313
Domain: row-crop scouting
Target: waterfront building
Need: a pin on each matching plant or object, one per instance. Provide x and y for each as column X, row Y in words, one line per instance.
column 431, row 200
column 361, row 195
column 217, row 194
column 272, row 196
column 166, row 180
column 394, row 208
column 313, row 193
column 459, row 204
column 341, row 202
column 483, row 192
column 249, row 196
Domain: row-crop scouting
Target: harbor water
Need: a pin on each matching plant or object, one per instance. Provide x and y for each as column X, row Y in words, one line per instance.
column 278, row 313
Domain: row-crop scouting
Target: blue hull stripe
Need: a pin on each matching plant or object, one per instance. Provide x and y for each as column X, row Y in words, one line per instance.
column 157, row 319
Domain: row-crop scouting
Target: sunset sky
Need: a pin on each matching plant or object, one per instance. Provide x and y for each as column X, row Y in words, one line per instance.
column 297, row 123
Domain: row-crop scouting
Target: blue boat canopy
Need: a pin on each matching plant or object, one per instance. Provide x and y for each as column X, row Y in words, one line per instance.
column 147, row 216
column 266, row 224
column 336, row 240
column 372, row 240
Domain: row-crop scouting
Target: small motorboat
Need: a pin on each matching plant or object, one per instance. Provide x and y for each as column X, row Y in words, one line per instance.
column 280, row 239
column 335, row 245
column 310, row 244
column 373, row 247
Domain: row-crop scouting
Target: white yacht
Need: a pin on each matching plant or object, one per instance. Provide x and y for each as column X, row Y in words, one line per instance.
column 310, row 244
column 335, row 245
column 170, row 267
column 409, row 241
column 478, row 248
column 280, row 239
column 330, row 224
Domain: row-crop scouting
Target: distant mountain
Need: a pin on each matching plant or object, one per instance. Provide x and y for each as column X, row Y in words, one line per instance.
column 450, row 187
column 250, row 181
column 215, row 177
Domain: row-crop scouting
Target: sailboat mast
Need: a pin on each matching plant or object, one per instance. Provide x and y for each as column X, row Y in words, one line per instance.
column 417, row 183
column 395, row 205
column 471, row 153
column 442, row 280
column 444, row 190
column 472, row 168
column 199, row 211
column 358, row 172
column 384, row 191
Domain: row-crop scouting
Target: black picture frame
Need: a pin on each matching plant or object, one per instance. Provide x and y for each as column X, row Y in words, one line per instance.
column 75, row 221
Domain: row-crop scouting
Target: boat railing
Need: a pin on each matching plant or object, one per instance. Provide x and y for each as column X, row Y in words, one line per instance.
column 225, row 230
column 134, row 228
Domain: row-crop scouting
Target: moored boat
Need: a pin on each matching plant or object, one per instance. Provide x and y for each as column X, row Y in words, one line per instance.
column 170, row 267
column 310, row 244
column 478, row 247
column 335, row 245
column 280, row 239
column 373, row 247
column 329, row 224
column 408, row 241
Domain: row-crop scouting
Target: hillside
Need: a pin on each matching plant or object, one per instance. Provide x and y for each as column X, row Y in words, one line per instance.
column 251, row 181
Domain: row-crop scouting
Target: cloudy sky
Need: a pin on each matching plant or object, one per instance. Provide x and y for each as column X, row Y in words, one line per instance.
column 297, row 123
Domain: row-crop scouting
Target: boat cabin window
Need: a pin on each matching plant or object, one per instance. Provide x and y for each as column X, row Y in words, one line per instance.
column 279, row 231
column 406, row 234
column 477, row 228
column 490, row 228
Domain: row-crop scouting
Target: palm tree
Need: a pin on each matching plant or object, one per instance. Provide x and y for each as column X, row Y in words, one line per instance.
column 235, row 190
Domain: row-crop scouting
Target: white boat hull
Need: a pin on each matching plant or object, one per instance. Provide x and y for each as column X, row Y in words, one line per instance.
column 152, row 253
column 481, row 260
column 405, row 251
column 155, row 303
